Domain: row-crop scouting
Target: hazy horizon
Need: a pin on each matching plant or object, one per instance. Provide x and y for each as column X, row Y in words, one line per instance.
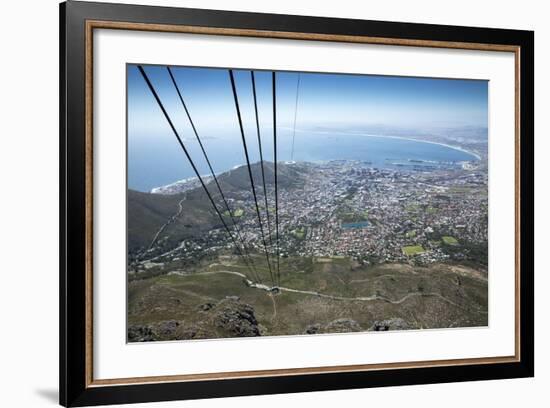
column 338, row 103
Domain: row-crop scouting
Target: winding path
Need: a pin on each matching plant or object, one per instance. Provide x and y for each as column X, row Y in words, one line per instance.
column 170, row 221
column 270, row 289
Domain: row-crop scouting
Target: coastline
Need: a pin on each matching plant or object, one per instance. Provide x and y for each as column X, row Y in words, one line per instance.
column 477, row 156
column 159, row 189
column 207, row 178
column 412, row 139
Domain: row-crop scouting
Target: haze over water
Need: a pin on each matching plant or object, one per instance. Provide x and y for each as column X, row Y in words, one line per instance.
column 164, row 163
column 306, row 102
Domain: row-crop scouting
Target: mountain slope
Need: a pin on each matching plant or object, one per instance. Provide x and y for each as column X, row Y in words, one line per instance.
column 148, row 213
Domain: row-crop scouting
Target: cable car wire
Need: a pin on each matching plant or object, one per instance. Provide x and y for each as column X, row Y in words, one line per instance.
column 275, row 171
column 295, row 116
column 261, row 157
column 232, row 79
column 237, row 229
column 160, row 104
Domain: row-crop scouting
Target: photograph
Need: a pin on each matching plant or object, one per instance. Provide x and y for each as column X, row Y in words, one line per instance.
column 257, row 202
column 285, row 203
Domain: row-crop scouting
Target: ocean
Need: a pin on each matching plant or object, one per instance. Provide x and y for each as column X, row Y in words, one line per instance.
column 163, row 162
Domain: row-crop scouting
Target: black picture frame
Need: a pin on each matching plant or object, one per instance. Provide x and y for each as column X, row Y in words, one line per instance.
column 75, row 389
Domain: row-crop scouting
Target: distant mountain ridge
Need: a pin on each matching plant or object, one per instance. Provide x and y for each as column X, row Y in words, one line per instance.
column 237, row 177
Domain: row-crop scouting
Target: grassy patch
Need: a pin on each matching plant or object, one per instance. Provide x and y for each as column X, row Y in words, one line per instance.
column 412, row 250
column 239, row 212
column 299, row 233
column 450, row 240
column 431, row 210
column 350, row 217
column 347, row 214
column 183, row 298
column 460, row 189
column 411, row 208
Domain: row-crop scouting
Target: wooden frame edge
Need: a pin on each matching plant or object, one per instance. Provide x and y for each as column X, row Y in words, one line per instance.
column 89, row 205
column 231, row 375
column 290, row 35
column 517, row 199
column 91, row 24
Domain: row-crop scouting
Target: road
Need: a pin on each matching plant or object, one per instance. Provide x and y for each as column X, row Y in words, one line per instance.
column 170, row 221
column 270, row 289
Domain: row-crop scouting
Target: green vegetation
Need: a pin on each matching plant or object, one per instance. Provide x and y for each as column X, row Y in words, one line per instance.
column 299, row 233
column 413, row 250
column 192, row 211
column 209, row 300
column 469, row 253
column 449, row 240
column 186, row 280
column 147, row 213
column 350, row 216
column 459, row 189
column 431, row 210
column 239, row 212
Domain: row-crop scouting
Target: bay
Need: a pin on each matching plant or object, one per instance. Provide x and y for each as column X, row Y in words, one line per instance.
column 163, row 162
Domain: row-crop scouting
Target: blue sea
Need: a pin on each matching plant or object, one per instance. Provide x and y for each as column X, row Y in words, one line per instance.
column 163, row 162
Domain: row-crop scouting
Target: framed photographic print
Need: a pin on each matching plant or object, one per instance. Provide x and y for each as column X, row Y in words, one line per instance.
column 255, row 203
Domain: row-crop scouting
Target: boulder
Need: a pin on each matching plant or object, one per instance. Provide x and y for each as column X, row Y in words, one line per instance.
column 313, row 329
column 236, row 318
column 395, row 323
column 342, row 326
column 166, row 329
column 137, row 333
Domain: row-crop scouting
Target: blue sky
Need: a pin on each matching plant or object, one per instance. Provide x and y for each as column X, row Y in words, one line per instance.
column 325, row 100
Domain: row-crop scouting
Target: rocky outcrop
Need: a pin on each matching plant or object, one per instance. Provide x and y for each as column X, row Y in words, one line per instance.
column 164, row 330
column 236, row 318
column 167, row 328
column 137, row 333
column 344, row 325
column 395, row 323
column 313, row 329
column 227, row 318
